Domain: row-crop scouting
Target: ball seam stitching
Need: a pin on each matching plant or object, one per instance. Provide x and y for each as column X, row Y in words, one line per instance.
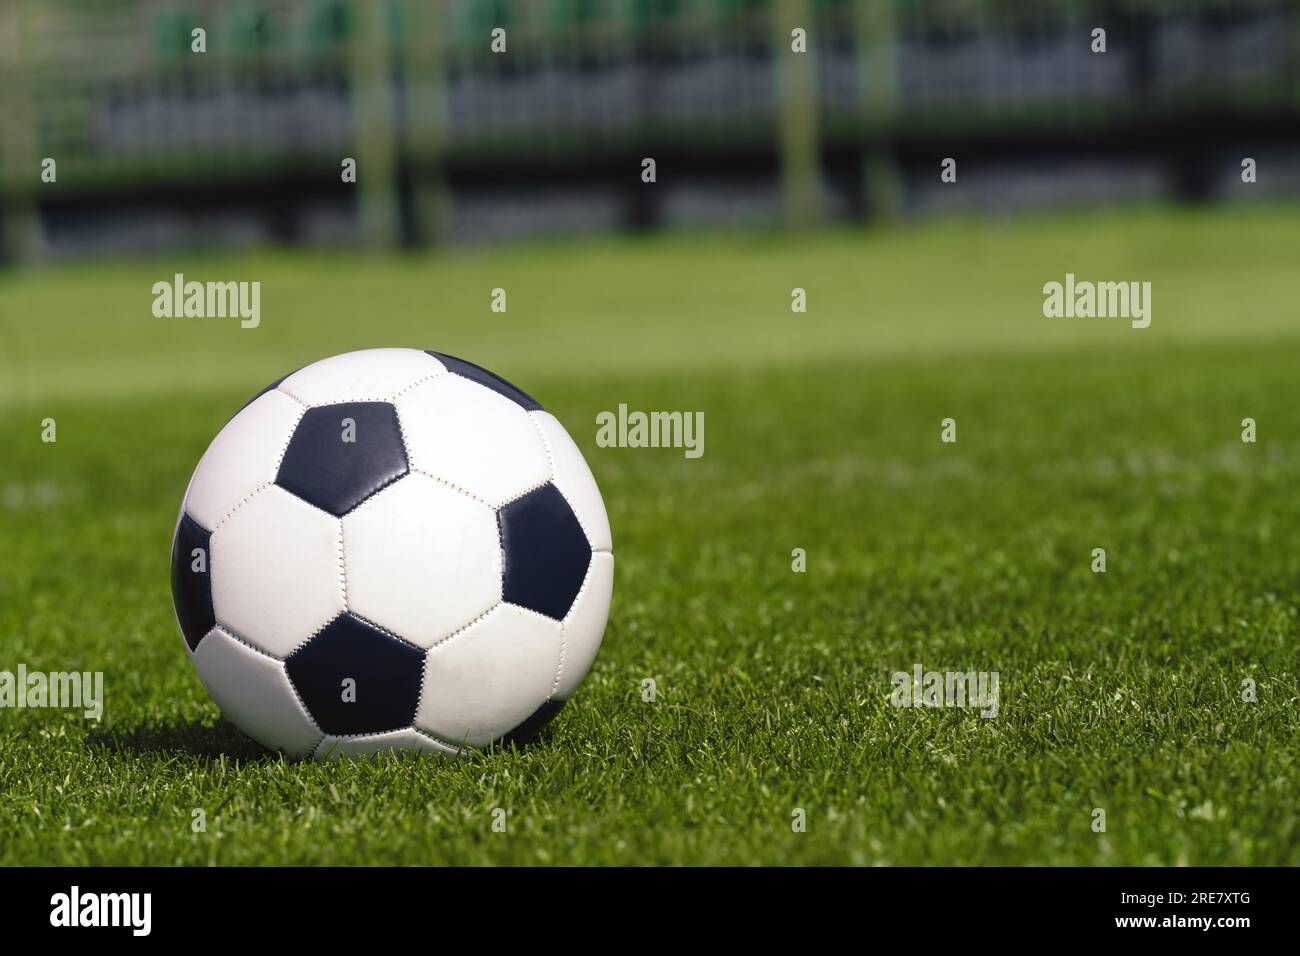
column 230, row 632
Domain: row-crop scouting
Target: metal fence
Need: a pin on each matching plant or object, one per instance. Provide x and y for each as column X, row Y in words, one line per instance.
column 412, row 88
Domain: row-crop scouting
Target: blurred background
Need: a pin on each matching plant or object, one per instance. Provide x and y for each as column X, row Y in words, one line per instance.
column 161, row 148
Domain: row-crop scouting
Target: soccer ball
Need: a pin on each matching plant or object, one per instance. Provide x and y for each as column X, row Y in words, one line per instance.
column 391, row 549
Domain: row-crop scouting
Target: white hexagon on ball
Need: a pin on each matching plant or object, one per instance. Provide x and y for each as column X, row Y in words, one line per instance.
column 405, row 524
column 473, row 439
column 272, row 546
column 422, row 560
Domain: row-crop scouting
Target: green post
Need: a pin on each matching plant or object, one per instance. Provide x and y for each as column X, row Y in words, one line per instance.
column 877, row 43
column 796, row 95
column 20, row 168
column 370, row 64
column 424, row 53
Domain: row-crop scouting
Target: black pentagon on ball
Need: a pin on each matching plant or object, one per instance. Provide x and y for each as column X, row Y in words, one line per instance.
column 545, row 550
column 476, row 373
column 385, row 671
column 340, row 455
column 192, row 580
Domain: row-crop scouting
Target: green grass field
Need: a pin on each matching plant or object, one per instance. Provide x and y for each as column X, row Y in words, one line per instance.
column 1120, row 691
